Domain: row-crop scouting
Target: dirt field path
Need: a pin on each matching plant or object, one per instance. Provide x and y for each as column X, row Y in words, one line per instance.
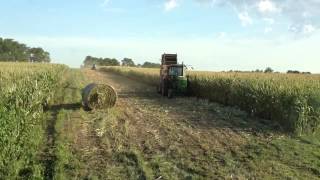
column 147, row 136
column 191, row 119
column 191, row 133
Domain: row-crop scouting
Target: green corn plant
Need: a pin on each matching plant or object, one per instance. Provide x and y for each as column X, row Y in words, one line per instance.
column 24, row 90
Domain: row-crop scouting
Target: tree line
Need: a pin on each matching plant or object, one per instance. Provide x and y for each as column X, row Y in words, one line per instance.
column 11, row 50
column 269, row 70
column 90, row 60
column 297, row 72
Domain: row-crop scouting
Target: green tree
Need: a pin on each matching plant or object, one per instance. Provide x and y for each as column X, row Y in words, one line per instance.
column 268, row 70
column 293, row 72
column 127, row 62
column 150, row 65
column 89, row 61
column 11, row 50
column 39, row 55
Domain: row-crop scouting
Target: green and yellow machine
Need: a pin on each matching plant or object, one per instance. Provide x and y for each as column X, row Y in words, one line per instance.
column 173, row 80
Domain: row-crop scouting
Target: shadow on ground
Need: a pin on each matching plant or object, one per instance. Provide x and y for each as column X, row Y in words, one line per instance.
column 71, row 106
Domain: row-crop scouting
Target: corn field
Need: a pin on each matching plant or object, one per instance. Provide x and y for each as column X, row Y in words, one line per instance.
column 25, row 89
column 293, row 101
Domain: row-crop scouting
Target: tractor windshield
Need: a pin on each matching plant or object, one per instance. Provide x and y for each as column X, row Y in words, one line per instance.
column 176, row 71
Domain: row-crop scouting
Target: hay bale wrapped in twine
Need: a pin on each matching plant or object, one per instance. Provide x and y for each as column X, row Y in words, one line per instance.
column 98, row 96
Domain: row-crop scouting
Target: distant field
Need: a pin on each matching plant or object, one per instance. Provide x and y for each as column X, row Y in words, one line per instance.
column 291, row 100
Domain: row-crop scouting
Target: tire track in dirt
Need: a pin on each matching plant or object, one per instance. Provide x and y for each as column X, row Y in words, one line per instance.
column 181, row 122
column 198, row 137
column 49, row 157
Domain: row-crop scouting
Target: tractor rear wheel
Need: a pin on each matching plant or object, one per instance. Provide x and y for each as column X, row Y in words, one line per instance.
column 170, row 93
column 158, row 89
column 164, row 89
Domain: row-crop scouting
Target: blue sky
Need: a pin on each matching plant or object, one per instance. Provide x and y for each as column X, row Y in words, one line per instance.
column 207, row 34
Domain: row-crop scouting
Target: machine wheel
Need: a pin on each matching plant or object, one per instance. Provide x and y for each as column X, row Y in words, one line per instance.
column 170, row 93
column 164, row 90
column 158, row 89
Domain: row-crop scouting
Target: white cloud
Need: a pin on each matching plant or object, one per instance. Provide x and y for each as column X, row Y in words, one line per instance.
column 222, row 35
column 306, row 14
column 270, row 21
column 107, row 7
column 307, row 29
column 245, row 19
column 105, row 3
column 294, row 29
column 268, row 30
column 267, row 6
column 295, row 13
column 170, row 4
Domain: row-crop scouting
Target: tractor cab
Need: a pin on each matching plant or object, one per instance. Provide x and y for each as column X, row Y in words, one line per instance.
column 94, row 67
column 176, row 70
column 172, row 76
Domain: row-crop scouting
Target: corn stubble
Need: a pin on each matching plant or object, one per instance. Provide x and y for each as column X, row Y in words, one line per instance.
column 291, row 100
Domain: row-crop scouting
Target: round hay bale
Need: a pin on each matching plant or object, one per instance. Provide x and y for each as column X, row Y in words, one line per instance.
column 98, row 96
